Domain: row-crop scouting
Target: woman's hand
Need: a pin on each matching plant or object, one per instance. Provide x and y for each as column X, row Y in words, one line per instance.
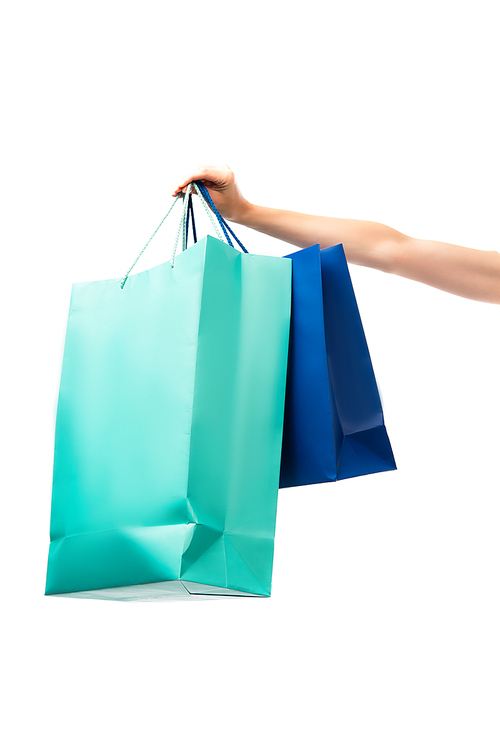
column 221, row 183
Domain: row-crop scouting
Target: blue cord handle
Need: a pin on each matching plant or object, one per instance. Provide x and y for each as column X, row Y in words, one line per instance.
column 210, row 202
column 222, row 222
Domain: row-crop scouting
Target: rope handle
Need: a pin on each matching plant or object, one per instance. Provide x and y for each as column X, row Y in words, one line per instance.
column 190, row 214
column 182, row 225
column 224, row 225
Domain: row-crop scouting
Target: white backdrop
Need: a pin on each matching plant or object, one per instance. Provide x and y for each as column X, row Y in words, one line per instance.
column 382, row 630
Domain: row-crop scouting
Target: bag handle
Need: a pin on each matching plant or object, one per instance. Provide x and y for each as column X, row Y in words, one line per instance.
column 222, row 222
column 182, row 225
column 190, row 213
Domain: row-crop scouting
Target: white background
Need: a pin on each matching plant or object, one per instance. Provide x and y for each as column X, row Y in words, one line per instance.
column 383, row 627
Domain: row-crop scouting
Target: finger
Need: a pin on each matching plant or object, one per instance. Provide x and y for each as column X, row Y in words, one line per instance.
column 183, row 188
column 211, row 176
column 195, row 175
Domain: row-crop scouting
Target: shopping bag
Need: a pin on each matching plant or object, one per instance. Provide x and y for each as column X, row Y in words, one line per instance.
column 169, row 428
column 334, row 424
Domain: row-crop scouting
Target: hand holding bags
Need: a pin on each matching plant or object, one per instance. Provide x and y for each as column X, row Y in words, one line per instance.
column 169, row 428
column 170, row 417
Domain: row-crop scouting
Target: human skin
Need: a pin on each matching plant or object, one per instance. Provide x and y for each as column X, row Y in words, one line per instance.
column 470, row 273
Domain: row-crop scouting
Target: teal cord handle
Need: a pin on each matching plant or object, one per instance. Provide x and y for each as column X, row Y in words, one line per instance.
column 124, row 279
column 209, row 212
column 183, row 223
column 182, row 226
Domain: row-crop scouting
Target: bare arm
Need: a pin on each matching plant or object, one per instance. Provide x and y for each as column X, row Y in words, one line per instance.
column 474, row 274
column 467, row 272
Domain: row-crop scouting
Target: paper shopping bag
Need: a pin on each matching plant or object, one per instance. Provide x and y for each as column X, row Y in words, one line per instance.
column 169, row 429
column 334, row 425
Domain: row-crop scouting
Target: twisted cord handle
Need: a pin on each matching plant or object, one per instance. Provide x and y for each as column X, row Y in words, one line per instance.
column 124, row 279
column 222, row 221
column 197, row 186
column 190, row 215
column 182, row 225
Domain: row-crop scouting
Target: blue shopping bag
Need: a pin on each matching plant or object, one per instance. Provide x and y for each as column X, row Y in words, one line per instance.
column 334, row 424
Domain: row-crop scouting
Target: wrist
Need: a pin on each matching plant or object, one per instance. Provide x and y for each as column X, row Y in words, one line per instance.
column 243, row 214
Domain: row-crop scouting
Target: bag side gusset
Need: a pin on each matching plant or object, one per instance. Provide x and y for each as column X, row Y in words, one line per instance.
column 238, row 419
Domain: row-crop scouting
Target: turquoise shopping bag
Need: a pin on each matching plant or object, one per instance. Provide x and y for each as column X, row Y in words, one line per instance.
column 169, row 428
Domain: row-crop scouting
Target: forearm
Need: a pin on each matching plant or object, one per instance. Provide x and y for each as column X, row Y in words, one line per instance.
column 474, row 274
column 467, row 272
column 365, row 242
